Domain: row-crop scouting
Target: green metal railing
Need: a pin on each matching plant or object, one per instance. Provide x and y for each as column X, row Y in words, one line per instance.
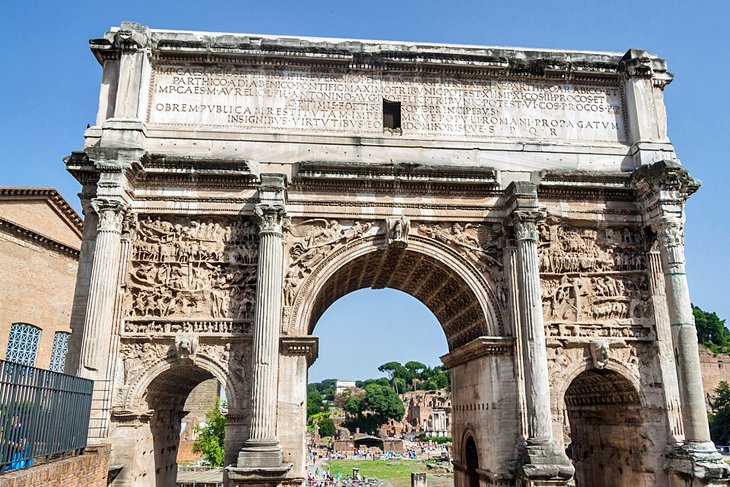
column 43, row 415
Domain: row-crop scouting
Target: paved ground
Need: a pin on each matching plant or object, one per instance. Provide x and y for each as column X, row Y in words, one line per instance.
column 191, row 478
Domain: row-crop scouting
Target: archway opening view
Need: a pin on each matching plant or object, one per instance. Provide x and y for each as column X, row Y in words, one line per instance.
column 183, row 427
column 378, row 391
column 604, row 433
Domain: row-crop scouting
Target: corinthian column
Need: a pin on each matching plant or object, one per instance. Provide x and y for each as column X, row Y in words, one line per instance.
column 684, row 334
column 102, row 288
column 662, row 190
column 541, row 459
column 537, row 385
column 262, row 449
column 98, row 327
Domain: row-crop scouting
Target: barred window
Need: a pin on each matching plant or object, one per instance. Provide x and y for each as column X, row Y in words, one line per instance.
column 23, row 343
column 58, row 354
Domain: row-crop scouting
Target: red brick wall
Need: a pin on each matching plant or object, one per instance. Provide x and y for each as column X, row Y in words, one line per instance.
column 87, row 470
column 198, row 402
column 715, row 369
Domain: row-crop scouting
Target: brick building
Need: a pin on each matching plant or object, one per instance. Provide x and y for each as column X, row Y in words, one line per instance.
column 40, row 238
column 715, row 369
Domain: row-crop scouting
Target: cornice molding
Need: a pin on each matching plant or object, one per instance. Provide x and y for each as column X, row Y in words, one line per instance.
column 300, row 345
column 335, row 176
column 479, row 347
column 585, row 185
column 53, row 197
column 36, row 238
column 168, row 47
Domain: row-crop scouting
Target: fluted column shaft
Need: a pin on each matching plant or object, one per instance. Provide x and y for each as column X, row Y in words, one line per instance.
column 537, row 385
column 684, row 334
column 102, row 288
column 267, row 323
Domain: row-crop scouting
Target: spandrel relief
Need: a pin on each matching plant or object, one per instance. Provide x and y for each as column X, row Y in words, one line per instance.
column 311, row 241
column 190, row 270
column 594, row 283
column 479, row 243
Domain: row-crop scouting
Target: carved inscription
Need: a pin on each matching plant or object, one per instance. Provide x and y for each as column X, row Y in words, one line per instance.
column 253, row 99
column 594, row 283
column 184, row 268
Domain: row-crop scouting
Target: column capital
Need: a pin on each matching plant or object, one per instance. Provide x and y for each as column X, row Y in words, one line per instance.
column 669, row 231
column 111, row 214
column 525, row 224
column 270, row 218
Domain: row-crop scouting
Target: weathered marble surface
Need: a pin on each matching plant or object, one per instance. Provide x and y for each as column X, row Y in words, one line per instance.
column 524, row 199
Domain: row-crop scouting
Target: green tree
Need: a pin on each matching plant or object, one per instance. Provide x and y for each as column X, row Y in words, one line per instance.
column 326, row 427
column 395, row 371
column 212, row 435
column 720, row 414
column 711, row 331
column 326, row 388
column 379, row 404
column 383, row 403
column 315, row 403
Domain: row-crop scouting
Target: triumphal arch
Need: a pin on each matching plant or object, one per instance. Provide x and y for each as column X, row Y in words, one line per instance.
column 234, row 186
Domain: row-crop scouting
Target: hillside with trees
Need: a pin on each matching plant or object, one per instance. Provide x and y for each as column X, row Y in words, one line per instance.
column 711, row 331
column 374, row 401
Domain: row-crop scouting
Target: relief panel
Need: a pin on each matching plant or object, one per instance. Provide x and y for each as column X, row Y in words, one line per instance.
column 191, row 275
column 594, row 283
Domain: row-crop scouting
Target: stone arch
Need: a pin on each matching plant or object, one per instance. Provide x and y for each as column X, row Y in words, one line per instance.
column 202, row 367
column 608, row 442
column 471, row 460
column 578, row 367
column 147, row 440
column 360, row 264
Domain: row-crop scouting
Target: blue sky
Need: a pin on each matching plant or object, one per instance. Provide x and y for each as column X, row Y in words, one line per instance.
column 49, row 87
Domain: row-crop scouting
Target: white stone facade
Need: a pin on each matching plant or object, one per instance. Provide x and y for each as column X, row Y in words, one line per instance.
column 531, row 199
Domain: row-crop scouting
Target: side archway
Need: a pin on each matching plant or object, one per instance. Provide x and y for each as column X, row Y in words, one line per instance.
column 146, row 431
column 471, row 462
column 605, row 426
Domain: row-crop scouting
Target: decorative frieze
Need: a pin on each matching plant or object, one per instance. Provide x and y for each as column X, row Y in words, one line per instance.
column 193, row 268
column 145, row 328
column 594, row 282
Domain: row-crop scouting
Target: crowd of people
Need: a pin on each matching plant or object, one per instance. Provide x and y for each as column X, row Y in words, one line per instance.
column 320, row 475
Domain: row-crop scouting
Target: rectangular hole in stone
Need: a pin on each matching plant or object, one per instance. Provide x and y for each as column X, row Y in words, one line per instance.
column 391, row 114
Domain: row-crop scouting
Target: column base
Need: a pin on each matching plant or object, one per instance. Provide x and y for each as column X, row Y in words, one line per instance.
column 259, row 464
column 543, row 464
column 697, row 465
column 260, row 454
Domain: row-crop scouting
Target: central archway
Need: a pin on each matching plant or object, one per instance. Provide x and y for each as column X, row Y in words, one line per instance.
column 448, row 284
column 460, row 290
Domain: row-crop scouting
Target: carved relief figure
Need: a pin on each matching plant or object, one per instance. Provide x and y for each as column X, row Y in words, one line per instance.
column 398, row 229
column 193, row 268
column 599, row 353
column 478, row 243
column 310, row 242
column 594, row 282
